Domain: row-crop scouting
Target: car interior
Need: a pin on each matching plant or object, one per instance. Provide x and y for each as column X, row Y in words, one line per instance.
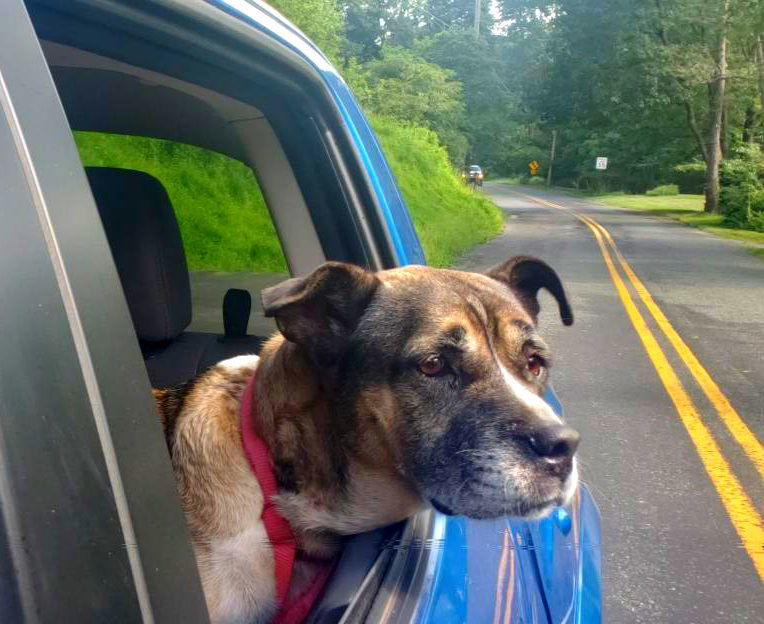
column 145, row 242
column 270, row 128
column 139, row 220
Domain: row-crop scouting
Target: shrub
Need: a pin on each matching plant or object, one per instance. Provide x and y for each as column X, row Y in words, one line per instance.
column 598, row 183
column 536, row 181
column 743, row 207
column 519, row 156
column 742, row 193
column 663, row 189
column 690, row 177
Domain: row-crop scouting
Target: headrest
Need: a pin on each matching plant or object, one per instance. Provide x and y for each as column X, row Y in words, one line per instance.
column 147, row 248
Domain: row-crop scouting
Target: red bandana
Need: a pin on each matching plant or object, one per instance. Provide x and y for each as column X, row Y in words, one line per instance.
column 276, row 526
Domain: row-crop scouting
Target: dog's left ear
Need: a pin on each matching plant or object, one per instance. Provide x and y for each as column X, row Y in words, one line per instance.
column 525, row 276
column 321, row 310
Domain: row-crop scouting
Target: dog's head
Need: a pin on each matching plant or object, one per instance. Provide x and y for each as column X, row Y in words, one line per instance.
column 450, row 367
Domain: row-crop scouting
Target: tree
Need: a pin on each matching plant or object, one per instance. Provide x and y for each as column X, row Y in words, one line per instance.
column 402, row 85
column 370, row 25
column 717, row 86
column 493, row 71
column 321, row 20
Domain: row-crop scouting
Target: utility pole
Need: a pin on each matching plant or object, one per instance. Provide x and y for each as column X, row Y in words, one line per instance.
column 477, row 18
column 551, row 159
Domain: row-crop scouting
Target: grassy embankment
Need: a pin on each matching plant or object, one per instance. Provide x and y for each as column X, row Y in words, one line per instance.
column 222, row 215
column 448, row 216
column 686, row 209
column 226, row 226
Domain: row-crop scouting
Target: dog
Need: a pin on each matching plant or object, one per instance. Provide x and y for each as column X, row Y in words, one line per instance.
column 383, row 393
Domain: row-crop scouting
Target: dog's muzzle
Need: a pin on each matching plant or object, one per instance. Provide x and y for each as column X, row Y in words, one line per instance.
column 554, row 445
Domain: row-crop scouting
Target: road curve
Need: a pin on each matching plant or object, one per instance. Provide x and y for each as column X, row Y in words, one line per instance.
column 670, row 407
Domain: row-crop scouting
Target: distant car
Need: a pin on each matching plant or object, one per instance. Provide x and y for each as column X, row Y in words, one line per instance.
column 95, row 308
column 473, row 175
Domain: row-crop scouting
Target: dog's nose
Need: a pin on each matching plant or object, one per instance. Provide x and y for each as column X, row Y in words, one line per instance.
column 555, row 443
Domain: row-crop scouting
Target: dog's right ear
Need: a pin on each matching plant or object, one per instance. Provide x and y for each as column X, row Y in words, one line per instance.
column 321, row 310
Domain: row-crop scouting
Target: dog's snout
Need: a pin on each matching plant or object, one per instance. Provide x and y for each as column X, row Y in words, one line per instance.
column 556, row 443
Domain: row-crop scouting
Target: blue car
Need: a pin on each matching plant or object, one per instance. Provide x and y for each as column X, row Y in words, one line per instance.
column 97, row 305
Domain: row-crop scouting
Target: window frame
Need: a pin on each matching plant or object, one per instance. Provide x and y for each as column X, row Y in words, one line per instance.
column 233, row 67
column 85, row 480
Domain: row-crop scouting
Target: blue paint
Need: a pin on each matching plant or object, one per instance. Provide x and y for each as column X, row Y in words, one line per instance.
column 563, row 520
column 546, row 570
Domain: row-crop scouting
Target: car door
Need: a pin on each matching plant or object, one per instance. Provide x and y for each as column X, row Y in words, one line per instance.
column 90, row 525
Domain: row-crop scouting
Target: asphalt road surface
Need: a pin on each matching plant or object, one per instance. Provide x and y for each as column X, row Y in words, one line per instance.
column 672, row 458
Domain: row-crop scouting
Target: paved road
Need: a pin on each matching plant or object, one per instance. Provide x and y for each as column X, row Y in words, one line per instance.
column 671, row 553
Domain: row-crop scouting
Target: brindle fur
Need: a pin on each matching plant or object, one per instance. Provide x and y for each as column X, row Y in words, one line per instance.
column 359, row 437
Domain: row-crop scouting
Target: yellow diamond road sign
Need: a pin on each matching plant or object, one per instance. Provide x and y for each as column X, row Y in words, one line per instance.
column 534, row 167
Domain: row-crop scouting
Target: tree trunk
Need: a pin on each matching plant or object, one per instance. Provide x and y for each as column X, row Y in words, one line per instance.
column 693, row 123
column 749, row 124
column 723, row 144
column 716, row 112
column 551, row 158
column 760, row 67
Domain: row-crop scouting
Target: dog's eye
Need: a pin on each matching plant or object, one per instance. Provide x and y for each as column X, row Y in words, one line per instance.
column 535, row 364
column 433, row 365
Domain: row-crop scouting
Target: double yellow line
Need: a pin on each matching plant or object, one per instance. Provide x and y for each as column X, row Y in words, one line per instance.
column 741, row 511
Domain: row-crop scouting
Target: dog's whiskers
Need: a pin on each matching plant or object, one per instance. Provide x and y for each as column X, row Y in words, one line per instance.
column 474, row 451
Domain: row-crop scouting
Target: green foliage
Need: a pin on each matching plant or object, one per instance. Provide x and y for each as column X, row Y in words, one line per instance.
column 321, row 20
column 673, row 205
column 598, row 182
column 510, row 180
column 370, row 25
column 536, row 181
column 690, row 177
column 687, row 209
column 743, row 208
column 746, row 169
column 631, row 79
column 448, row 216
column 742, row 192
column 492, row 70
column 226, row 226
column 402, row 85
column 663, row 189
column 222, row 215
column 518, row 158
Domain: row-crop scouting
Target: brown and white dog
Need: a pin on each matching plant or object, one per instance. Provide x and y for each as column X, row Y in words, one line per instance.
column 383, row 393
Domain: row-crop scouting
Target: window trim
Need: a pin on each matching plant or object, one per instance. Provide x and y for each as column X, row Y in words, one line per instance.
column 97, row 437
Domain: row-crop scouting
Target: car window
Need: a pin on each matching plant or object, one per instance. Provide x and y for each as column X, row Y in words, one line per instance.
column 228, row 236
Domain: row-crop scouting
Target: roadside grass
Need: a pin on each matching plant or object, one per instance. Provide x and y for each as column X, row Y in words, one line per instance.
column 449, row 217
column 669, row 205
column 686, row 209
column 224, row 220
